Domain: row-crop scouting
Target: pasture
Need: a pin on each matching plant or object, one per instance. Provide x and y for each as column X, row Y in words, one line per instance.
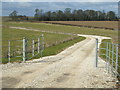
column 65, row 29
column 54, row 39
column 97, row 24
column 53, row 45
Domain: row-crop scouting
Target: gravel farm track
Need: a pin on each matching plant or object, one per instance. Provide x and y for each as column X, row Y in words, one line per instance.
column 72, row 68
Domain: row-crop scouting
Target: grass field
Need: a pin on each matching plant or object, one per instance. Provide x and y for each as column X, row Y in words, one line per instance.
column 66, row 29
column 52, row 41
column 99, row 24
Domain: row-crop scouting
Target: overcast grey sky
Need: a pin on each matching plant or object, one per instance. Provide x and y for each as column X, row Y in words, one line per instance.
column 27, row 7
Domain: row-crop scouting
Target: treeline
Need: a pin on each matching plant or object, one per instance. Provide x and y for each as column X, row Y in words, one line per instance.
column 15, row 17
column 75, row 15
column 67, row 15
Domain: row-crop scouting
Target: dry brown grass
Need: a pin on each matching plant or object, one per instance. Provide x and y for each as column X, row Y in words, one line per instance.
column 96, row 24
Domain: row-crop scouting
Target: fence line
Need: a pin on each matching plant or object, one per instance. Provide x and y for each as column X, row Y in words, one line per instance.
column 24, row 49
column 111, row 57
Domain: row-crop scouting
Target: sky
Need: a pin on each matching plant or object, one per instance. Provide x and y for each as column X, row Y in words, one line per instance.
column 59, row 0
column 27, row 7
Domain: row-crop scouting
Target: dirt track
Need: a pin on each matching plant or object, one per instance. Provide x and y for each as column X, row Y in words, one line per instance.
column 72, row 68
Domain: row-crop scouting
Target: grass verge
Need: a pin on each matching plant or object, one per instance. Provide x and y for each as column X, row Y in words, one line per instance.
column 53, row 50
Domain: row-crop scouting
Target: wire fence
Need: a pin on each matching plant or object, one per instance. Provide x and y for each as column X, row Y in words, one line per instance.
column 109, row 52
column 22, row 50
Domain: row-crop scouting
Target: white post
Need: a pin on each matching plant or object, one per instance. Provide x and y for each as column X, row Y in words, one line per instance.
column 107, row 56
column 24, row 49
column 9, row 51
column 38, row 45
column 43, row 41
column 42, row 45
column 33, row 47
column 112, row 58
column 116, row 59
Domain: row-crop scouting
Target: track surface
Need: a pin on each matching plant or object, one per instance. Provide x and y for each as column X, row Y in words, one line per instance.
column 72, row 68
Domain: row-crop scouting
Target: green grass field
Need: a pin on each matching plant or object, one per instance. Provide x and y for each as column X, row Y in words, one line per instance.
column 54, row 43
column 54, row 39
column 65, row 29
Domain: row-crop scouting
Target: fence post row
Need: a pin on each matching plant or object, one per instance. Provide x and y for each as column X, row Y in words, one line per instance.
column 24, row 48
column 112, row 57
column 96, row 52
column 33, row 46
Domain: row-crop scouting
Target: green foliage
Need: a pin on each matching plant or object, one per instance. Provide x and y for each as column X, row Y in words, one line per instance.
column 75, row 15
column 13, row 15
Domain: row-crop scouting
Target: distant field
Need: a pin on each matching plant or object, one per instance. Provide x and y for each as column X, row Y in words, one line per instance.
column 95, row 24
column 65, row 29
column 6, row 18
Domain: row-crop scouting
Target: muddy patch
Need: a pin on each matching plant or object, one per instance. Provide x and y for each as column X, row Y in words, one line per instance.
column 9, row 82
column 63, row 78
column 27, row 72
